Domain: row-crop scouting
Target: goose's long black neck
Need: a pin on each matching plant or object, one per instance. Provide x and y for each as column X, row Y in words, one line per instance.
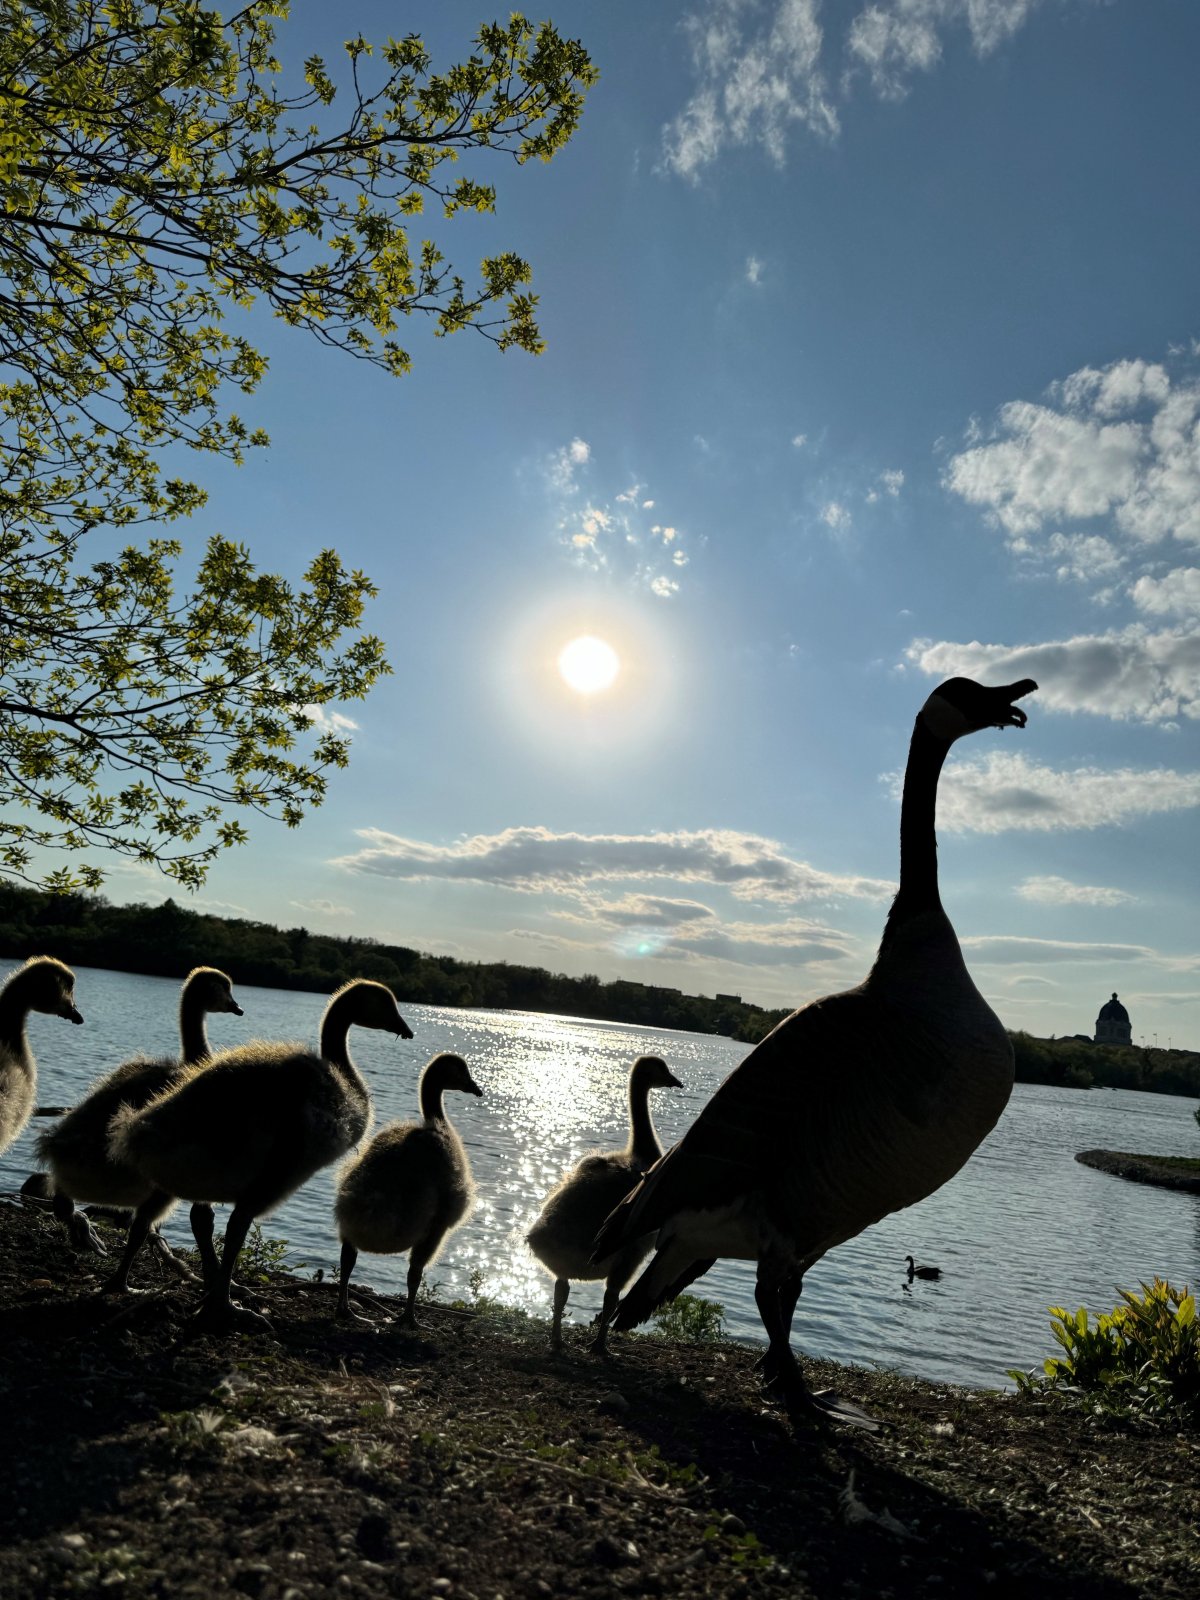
column 918, row 890
column 643, row 1141
column 193, row 1036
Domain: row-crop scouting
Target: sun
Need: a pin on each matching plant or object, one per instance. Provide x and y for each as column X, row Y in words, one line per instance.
column 589, row 665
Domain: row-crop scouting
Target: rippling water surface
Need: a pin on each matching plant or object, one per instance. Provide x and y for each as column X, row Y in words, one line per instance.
column 1022, row 1227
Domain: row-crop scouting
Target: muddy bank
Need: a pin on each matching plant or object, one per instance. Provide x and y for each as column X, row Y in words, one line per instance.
column 1168, row 1172
column 468, row 1462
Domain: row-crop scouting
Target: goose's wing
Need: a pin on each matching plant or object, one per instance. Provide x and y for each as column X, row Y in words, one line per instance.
column 793, row 1100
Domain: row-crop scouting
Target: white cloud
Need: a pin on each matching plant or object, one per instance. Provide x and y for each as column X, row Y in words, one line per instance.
column 1131, row 674
column 754, row 269
column 758, row 70
column 329, row 721
column 764, row 68
column 1000, row 792
column 324, row 908
column 835, row 515
column 1052, row 891
column 1178, row 594
column 611, row 534
column 799, row 440
column 1119, row 442
column 537, row 860
column 1005, row 950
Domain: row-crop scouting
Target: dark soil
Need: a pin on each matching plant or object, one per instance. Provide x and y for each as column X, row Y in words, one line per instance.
column 1167, row 1172
column 467, row 1461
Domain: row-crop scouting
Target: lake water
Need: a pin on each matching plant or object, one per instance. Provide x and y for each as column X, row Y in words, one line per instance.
column 1021, row 1228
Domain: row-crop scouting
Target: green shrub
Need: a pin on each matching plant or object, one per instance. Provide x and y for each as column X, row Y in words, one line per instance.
column 692, row 1318
column 1140, row 1359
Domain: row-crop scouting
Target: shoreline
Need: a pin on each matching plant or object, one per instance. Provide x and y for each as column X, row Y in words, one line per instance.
column 1180, row 1173
column 466, row 1461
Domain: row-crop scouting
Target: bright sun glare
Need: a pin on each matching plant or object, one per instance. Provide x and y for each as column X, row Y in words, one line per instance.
column 588, row 665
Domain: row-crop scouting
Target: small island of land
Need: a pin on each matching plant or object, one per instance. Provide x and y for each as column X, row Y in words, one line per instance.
column 466, row 1461
column 1167, row 1172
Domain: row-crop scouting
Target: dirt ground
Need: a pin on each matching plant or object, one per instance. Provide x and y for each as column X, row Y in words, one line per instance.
column 469, row 1462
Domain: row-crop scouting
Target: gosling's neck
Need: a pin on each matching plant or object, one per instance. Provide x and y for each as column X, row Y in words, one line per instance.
column 14, row 1011
column 643, row 1144
column 335, row 1046
column 430, row 1093
column 193, row 1035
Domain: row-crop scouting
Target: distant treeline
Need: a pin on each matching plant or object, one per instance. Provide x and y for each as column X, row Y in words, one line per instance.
column 1076, row 1064
column 165, row 940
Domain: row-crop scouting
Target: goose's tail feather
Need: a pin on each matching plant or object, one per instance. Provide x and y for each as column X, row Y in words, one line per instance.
column 668, row 1274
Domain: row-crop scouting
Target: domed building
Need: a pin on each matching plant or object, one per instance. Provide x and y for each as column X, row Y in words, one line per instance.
column 1112, row 1025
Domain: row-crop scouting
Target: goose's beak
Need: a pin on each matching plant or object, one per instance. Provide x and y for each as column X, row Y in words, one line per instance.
column 403, row 1031
column 236, row 1009
column 473, row 1088
column 69, row 1014
column 673, row 1082
column 1007, row 714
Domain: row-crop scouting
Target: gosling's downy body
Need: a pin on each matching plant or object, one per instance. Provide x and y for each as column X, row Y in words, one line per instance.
column 77, row 1153
column 409, row 1188
column 571, row 1216
column 254, row 1123
column 42, row 984
column 853, row 1107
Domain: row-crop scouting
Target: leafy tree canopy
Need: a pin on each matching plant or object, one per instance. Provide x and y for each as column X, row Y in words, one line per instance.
column 155, row 177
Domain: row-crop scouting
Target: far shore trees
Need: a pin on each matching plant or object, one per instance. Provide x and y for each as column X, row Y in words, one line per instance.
column 155, row 177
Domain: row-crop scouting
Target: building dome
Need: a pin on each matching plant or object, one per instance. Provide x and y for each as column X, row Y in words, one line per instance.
column 1112, row 1025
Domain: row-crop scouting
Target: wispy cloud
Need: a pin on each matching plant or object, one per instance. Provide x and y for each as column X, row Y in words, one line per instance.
column 1054, row 891
column 1000, row 792
column 537, row 860
column 329, row 721
column 620, row 531
column 1129, row 674
column 767, row 68
column 1005, row 950
column 324, row 908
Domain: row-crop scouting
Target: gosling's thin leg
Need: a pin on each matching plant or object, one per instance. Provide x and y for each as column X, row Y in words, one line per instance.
column 148, row 1213
column 217, row 1313
column 562, row 1288
column 418, row 1260
column 79, row 1228
column 608, row 1310
column 201, row 1218
column 344, row 1309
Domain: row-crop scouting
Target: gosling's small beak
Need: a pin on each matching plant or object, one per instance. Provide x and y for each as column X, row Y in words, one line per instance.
column 404, row 1031
column 673, row 1082
column 70, row 1014
column 473, row 1087
column 236, row 1009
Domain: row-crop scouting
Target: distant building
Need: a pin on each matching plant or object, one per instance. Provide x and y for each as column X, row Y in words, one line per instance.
column 1112, row 1025
column 730, row 999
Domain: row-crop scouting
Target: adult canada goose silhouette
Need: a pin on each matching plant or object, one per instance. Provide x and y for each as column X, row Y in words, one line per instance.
column 76, row 1151
column 921, row 1272
column 42, row 984
column 409, row 1187
column 853, row 1107
column 571, row 1216
column 252, row 1124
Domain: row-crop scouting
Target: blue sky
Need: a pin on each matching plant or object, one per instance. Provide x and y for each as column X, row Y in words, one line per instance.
column 872, row 358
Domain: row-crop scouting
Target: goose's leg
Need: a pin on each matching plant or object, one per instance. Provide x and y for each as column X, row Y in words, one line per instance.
column 79, row 1229
column 201, row 1218
column 344, row 1309
column 148, row 1213
column 418, row 1259
column 790, row 1283
column 562, row 1288
column 621, row 1269
column 773, row 1292
column 217, row 1313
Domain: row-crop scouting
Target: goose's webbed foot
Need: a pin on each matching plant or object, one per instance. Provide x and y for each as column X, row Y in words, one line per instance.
column 83, row 1236
column 784, row 1385
column 346, row 1313
column 218, row 1316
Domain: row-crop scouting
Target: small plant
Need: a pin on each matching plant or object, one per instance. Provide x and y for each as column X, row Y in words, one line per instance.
column 262, row 1255
column 691, row 1318
column 1141, row 1359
